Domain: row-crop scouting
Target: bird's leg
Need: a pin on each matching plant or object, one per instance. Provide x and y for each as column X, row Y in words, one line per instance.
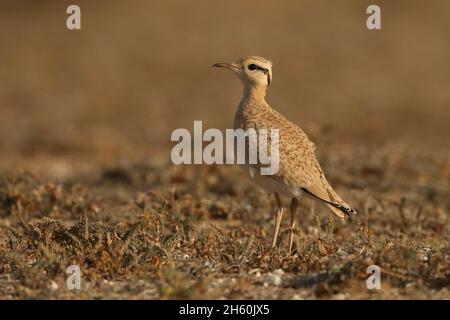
column 294, row 206
column 278, row 221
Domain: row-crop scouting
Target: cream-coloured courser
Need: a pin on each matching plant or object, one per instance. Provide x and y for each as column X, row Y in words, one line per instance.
column 299, row 171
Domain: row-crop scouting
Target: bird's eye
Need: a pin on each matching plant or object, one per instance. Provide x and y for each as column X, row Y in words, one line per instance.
column 252, row 67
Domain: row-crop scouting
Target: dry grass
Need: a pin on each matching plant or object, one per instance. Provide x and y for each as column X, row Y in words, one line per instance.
column 208, row 237
column 85, row 121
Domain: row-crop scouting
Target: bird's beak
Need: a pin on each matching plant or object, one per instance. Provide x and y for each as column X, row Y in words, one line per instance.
column 228, row 65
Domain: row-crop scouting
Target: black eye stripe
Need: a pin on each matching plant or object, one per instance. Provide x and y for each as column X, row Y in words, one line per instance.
column 256, row 67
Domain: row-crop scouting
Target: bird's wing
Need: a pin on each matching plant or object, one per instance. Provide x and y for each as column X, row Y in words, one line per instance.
column 322, row 190
column 298, row 165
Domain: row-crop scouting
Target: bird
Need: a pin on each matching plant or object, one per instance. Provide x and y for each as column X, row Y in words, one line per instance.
column 299, row 171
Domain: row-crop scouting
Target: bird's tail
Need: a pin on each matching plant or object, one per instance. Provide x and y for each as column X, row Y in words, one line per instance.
column 340, row 209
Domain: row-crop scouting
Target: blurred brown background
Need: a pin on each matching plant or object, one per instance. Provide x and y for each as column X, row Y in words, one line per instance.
column 139, row 69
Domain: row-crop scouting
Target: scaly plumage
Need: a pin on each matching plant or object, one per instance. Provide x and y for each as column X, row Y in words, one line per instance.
column 299, row 171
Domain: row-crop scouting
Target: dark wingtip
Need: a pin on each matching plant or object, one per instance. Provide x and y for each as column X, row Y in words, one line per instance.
column 346, row 210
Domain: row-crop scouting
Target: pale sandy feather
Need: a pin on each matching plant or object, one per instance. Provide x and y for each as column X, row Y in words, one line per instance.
column 298, row 165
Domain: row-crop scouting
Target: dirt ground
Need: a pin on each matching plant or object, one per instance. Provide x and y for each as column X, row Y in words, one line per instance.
column 85, row 171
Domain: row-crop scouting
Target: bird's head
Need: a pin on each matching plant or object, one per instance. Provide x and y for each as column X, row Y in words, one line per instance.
column 253, row 70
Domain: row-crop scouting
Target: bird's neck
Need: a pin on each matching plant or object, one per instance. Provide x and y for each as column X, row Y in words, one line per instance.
column 255, row 93
column 252, row 101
